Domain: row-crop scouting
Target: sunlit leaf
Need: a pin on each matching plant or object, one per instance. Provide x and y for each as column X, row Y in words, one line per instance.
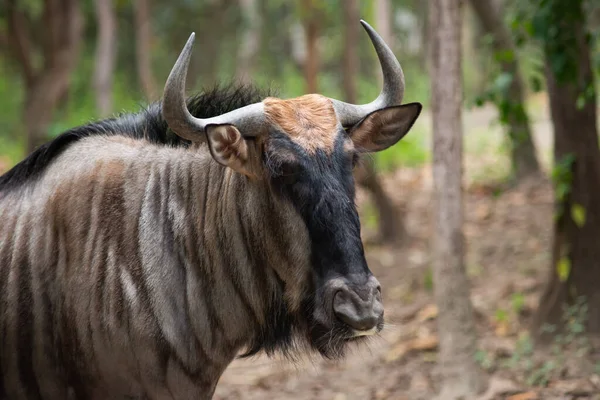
column 578, row 214
column 580, row 103
column 518, row 301
column 503, row 81
column 563, row 268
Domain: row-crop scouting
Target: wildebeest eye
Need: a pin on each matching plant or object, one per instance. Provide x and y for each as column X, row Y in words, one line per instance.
column 288, row 169
column 283, row 168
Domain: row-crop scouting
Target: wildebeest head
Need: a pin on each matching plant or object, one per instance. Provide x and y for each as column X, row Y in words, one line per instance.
column 305, row 149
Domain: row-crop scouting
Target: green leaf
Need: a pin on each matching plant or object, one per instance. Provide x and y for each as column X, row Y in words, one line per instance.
column 563, row 268
column 501, row 315
column 518, row 301
column 578, row 214
column 536, row 84
column 503, row 81
column 580, row 103
column 505, row 56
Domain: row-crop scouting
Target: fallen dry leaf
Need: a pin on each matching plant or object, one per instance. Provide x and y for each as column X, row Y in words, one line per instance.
column 430, row 311
column 499, row 387
column 482, row 211
column 573, row 387
column 523, row 396
column 419, row 383
column 502, row 329
column 418, row 344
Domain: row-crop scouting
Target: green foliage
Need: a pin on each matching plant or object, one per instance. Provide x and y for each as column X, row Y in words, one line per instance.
column 369, row 216
column 501, row 315
column 517, row 301
column 11, row 149
column 484, row 359
column 428, row 280
column 523, row 351
column 562, row 177
column 409, row 152
column 572, row 341
column 578, row 214
column 541, row 376
column 563, row 268
column 554, row 25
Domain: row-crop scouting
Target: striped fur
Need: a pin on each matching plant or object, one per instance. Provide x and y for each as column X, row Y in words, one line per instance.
column 134, row 266
column 142, row 271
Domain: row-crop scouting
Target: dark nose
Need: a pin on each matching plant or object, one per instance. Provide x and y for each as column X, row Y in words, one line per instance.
column 359, row 307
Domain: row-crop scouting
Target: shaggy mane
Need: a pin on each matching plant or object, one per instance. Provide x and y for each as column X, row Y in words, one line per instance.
column 147, row 124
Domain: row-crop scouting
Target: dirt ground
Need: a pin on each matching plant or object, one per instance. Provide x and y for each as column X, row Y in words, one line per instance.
column 508, row 234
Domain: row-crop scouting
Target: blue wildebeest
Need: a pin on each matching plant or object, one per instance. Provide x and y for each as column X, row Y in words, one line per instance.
column 139, row 255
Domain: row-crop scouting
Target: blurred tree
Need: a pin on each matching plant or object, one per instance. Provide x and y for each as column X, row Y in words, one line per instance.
column 46, row 47
column 248, row 50
column 383, row 20
column 106, row 52
column 390, row 227
column 310, row 20
column 509, row 95
column 350, row 59
column 575, row 270
column 143, row 48
column 461, row 376
column 422, row 11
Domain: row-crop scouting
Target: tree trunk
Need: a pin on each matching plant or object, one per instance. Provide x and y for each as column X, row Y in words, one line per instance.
column 249, row 47
column 423, row 12
column 106, row 52
column 513, row 112
column 383, row 21
column 461, row 376
column 575, row 268
column 311, row 32
column 351, row 61
column 143, row 48
column 60, row 47
column 391, row 230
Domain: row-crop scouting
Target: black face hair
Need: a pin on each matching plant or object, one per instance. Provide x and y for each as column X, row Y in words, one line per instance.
column 321, row 188
column 148, row 124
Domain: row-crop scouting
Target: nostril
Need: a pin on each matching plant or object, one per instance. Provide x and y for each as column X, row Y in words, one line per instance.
column 354, row 312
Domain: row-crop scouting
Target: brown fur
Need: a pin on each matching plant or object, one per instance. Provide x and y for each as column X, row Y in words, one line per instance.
column 309, row 120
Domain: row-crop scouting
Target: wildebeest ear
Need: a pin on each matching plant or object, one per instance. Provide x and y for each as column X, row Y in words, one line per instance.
column 384, row 128
column 228, row 147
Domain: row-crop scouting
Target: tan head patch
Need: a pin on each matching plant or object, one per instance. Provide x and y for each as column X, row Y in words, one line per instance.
column 309, row 120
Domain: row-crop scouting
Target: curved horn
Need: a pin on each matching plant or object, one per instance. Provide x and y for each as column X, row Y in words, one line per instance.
column 393, row 84
column 249, row 120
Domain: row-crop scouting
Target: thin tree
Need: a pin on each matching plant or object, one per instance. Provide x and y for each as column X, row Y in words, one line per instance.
column 310, row 22
column 383, row 20
column 575, row 266
column 250, row 45
column 391, row 229
column 143, row 48
column 461, row 376
column 106, row 54
column 46, row 59
column 511, row 104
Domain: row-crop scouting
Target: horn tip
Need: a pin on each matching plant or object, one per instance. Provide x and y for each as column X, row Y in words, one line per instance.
column 365, row 24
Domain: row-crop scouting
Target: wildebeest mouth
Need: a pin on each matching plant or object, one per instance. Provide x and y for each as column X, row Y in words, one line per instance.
column 332, row 343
